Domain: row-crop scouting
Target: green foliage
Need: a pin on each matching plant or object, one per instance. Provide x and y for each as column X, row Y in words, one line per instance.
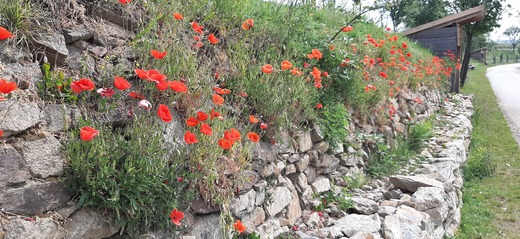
column 246, row 236
column 480, row 165
column 341, row 199
column 417, row 134
column 54, row 85
column 385, row 160
column 333, row 121
column 356, row 181
column 23, row 18
column 288, row 235
column 126, row 172
column 424, row 11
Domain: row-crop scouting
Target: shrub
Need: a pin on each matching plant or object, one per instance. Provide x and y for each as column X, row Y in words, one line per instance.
column 333, row 120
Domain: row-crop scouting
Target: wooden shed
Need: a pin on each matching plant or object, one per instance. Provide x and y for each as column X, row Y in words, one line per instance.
column 480, row 55
column 445, row 35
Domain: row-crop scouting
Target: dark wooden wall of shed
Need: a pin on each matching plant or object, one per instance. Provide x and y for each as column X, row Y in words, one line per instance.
column 439, row 41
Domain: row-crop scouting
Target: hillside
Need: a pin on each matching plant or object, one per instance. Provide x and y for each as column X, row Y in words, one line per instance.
column 159, row 114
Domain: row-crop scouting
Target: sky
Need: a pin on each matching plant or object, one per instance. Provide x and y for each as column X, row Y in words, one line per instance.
column 497, row 34
column 507, row 21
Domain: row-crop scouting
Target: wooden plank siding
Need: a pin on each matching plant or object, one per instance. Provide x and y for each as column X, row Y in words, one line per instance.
column 464, row 17
column 439, row 41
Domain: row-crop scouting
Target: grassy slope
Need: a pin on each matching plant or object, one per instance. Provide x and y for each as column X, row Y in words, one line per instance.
column 492, row 205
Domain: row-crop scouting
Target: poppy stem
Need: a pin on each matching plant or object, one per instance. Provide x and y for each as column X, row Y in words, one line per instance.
column 353, row 21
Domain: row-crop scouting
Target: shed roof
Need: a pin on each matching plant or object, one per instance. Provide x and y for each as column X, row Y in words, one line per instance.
column 464, row 17
column 481, row 49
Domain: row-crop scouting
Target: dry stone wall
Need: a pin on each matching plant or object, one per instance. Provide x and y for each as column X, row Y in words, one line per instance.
column 284, row 179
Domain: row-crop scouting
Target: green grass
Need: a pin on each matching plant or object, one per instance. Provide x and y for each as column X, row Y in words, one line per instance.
column 491, row 205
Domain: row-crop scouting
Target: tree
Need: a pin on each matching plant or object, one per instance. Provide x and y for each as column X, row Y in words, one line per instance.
column 397, row 10
column 513, row 34
column 494, row 10
column 419, row 12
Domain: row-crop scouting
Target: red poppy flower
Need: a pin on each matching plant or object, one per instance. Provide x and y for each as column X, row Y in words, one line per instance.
column 226, row 143
column 196, row 38
column 196, row 27
column 403, row 45
column 5, row 34
column 164, row 113
column 190, row 138
column 178, row 86
column 286, row 65
column 217, row 99
column 315, row 54
column 213, row 114
column 124, row 2
column 252, row 119
column 177, row 16
column 319, row 106
column 81, row 85
column 221, row 91
column 383, row 74
column 176, row 217
column 316, row 73
column 140, row 73
column 7, row 87
column 239, row 226
column 120, row 83
column 206, row 129
column 243, row 94
column 157, row 54
column 267, row 68
column 253, row 137
column 296, row 72
column 155, row 76
column 234, row 134
column 201, row 116
column 212, row 38
column 87, row 133
column 1, row 133
column 106, row 92
column 263, row 126
column 347, row 29
column 248, row 24
column 135, row 95
column 162, row 85
column 192, row 121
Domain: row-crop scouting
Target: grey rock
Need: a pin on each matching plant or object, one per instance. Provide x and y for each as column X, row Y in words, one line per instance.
column 207, row 227
column 201, row 206
column 331, row 168
column 290, row 169
column 323, row 161
column 384, row 211
column 392, row 194
column 80, row 33
column 264, row 152
column 321, row 147
column 366, row 235
column 173, row 134
column 364, row 206
column 313, row 220
column 243, row 202
column 253, row 219
column 299, row 180
column 247, row 179
column 280, row 197
column 88, row 224
column 80, row 60
column 349, row 160
column 24, row 72
column 353, row 223
column 410, row 222
column 428, row 197
column 294, row 210
column 53, row 45
column 13, row 170
column 270, row 229
column 43, row 156
column 122, row 20
column 59, row 117
column 36, row 198
column 42, row 228
column 108, row 34
column 303, row 163
column 317, row 134
column 304, row 141
column 98, row 51
column 392, row 228
column 311, row 174
column 412, row 183
column 294, row 158
column 321, row 184
column 438, row 214
column 18, row 115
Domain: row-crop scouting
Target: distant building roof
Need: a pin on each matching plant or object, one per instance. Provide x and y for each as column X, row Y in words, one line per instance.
column 481, row 49
column 464, row 17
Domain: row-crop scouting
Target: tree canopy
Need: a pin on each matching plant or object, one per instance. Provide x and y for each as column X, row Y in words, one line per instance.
column 513, row 33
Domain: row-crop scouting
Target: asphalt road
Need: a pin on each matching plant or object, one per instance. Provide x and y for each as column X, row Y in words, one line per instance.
column 505, row 81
